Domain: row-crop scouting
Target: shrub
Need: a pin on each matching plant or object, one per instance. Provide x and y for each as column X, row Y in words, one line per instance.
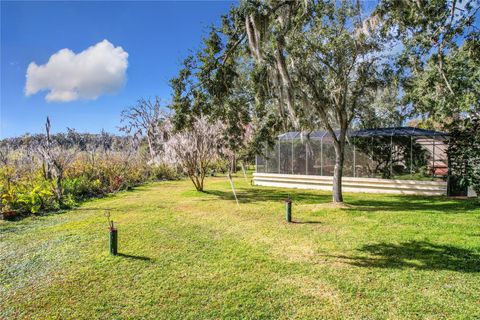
column 164, row 172
column 82, row 187
column 464, row 152
column 29, row 196
column 25, row 188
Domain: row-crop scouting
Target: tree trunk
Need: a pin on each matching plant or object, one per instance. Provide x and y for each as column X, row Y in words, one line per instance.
column 150, row 148
column 59, row 188
column 233, row 166
column 201, row 183
column 196, row 182
column 338, row 171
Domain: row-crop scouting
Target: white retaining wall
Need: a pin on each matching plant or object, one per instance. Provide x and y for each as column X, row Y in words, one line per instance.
column 349, row 184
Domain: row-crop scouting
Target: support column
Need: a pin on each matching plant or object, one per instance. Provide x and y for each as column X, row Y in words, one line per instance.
column 306, row 157
column 433, row 157
column 321, row 156
column 411, row 150
column 411, row 155
column 372, row 173
column 354, row 159
column 391, row 155
column 279, row 150
column 292, row 156
column 449, row 174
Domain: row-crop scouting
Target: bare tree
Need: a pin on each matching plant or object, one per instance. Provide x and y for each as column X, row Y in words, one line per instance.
column 195, row 149
column 57, row 158
column 146, row 119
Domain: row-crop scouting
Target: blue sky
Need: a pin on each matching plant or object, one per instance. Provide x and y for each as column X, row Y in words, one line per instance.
column 156, row 36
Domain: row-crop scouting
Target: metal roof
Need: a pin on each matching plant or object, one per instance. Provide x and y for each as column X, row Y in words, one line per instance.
column 397, row 132
column 377, row 132
column 311, row 135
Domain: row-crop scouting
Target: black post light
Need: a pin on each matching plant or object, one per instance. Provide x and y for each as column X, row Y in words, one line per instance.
column 288, row 209
column 113, row 235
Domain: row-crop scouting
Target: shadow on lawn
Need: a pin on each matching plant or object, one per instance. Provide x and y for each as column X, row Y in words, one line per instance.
column 129, row 256
column 261, row 195
column 358, row 203
column 306, row 222
column 420, row 255
column 415, row 203
column 43, row 214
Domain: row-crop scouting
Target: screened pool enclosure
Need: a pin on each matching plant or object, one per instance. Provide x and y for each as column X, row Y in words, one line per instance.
column 387, row 153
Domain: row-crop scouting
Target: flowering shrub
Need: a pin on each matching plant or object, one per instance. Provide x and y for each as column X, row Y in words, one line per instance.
column 195, row 150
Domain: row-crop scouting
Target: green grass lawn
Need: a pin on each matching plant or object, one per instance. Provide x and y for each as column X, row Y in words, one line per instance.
column 195, row 255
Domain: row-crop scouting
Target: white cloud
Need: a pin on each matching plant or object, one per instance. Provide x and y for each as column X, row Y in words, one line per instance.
column 68, row 76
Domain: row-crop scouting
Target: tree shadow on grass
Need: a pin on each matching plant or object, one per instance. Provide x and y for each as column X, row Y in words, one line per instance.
column 420, row 255
column 306, row 222
column 414, row 204
column 358, row 203
column 132, row 257
column 43, row 214
column 262, row 195
column 91, row 209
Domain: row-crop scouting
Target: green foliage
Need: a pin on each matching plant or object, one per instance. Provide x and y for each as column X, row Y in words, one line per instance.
column 24, row 189
column 431, row 96
column 82, row 187
column 214, row 83
column 28, row 195
column 163, row 172
column 439, row 65
column 407, row 156
column 219, row 166
column 464, row 152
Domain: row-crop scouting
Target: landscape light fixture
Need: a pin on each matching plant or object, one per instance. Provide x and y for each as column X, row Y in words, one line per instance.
column 113, row 235
column 288, row 209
